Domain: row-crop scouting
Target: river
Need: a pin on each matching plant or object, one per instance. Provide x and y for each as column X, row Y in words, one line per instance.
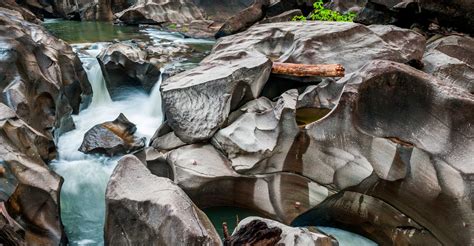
column 86, row 176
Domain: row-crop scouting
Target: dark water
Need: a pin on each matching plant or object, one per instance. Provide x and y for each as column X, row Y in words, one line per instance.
column 91, row 32
column 219, row 215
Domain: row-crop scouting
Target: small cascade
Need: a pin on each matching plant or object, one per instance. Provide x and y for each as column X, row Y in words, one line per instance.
column 101, row 95
column 154, row 106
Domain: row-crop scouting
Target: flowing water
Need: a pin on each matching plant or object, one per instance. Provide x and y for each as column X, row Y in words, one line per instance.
column 86, row 176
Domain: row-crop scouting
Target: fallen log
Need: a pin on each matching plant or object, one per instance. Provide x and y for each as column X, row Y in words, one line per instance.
column 305, row 70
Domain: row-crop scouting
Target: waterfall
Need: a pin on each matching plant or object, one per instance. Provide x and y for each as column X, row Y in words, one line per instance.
column 154, row 106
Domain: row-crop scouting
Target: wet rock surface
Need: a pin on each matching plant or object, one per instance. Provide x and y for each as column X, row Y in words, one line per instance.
column 112, row 138
column 126, row 65
column 250, row 230
column 42, row 79
column 29, row 189
column 161, row 212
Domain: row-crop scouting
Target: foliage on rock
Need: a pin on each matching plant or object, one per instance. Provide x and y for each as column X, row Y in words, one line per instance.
column 323, row 14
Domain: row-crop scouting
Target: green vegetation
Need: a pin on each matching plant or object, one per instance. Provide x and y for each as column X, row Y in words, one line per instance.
column 172, row 26
column 323, row 14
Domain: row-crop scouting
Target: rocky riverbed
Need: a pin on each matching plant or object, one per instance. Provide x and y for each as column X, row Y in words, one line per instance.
column 151, row 131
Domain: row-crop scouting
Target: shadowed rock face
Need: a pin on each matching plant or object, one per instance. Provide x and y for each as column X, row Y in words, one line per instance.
column 148, row 210
column 28, row 188
column 452, row 60
column 251, row 228
column 456, row 13
column 87, row 10
column 112, row 138
column 42, row 79
column 126, row 65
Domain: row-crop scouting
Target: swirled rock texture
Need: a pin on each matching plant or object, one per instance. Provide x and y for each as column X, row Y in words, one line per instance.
column 452, row 60
column 29, row 189
column 198, row 101
column 42, row 79
column 143, row 209
column 290, row 236
column 112, row 138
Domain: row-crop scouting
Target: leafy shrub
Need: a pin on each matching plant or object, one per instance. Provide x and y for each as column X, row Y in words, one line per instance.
column 323, row 14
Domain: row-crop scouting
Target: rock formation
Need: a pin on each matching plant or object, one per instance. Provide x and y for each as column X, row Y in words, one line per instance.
column 198, row 101
column 29, row 189
column 145, row 209
column 126, row 65
column 290, row 236
column 43, row 80
column 451, row 59
column 112, row 138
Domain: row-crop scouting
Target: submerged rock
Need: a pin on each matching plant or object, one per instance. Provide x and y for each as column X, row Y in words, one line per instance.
column 112, row 138
column 126, row 65
column 452, row 60
column 250, row 230
column 148, row 210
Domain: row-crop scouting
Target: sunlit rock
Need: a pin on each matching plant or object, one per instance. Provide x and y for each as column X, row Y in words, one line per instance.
column 145, row 209
column 112, row 138
column 250, row 230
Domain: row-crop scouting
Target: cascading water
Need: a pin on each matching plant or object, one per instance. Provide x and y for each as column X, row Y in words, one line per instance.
column 86, row 176
column 154, row 107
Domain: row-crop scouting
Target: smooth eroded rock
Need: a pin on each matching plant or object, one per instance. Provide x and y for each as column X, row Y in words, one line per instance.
column 112, row 138
column 145, row 209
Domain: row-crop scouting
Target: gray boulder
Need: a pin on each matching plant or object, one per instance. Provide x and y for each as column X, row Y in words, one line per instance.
column 451, row 59
column 126, row 65
column 112, row 138
column 143, row 209
column 215, row 88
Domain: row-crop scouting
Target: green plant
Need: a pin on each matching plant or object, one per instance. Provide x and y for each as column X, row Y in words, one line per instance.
column 323, row 14
column 172, row 26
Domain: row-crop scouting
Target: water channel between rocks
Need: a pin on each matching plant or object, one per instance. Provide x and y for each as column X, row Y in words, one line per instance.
column 86, row 176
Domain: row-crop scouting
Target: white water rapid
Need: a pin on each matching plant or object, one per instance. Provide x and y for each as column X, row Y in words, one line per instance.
column 86, row 176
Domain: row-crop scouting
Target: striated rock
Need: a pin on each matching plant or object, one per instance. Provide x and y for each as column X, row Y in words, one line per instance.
column 216, row 87
column 14, row 7
column 29, row 189
column 145, row 209
column 367, row 215
column 207, row 177
column 125, row 65
column 451, row 59
column 198, row 101
column 112, row 138
column 290, row 236
column 42, row 78
column 100, row 10
column 263, row 129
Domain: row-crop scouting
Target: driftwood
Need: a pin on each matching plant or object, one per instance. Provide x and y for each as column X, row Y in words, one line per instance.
column 305, row 70
column 255, row 233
